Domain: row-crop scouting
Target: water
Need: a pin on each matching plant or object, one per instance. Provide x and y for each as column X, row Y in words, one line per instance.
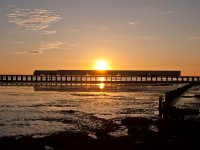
column 190, row 99
column 41, row 109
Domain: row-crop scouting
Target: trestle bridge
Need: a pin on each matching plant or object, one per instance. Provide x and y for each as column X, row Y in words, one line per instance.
column 111, row 76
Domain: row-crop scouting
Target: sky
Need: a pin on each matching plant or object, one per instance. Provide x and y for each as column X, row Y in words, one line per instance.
column 74, row 34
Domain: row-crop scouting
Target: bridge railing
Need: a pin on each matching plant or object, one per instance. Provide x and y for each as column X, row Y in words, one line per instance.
column 87, row 78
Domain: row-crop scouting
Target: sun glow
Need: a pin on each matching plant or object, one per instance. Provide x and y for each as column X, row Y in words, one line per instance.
column 101, row 86
column 101, row 79
column 101, row 65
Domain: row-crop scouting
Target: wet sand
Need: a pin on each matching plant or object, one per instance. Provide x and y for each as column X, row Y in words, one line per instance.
column 142, row 134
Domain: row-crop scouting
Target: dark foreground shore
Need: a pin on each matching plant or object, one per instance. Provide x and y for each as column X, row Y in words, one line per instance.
column 168, row 134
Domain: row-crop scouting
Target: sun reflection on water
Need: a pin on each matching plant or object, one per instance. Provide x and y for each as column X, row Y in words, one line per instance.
column 101, row 86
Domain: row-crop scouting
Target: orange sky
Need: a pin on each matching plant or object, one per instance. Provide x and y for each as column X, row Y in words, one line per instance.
column 74, row 34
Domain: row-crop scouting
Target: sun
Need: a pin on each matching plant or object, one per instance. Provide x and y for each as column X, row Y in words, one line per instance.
column 101, row 65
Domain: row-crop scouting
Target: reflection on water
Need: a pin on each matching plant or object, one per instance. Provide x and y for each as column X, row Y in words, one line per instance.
column 101, row 85
column 190, row 99
column 41, row 109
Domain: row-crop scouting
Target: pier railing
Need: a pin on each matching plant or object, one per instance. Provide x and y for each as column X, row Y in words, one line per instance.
column 93, row 79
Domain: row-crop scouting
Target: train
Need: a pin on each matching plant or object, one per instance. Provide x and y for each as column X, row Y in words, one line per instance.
column 162, row 73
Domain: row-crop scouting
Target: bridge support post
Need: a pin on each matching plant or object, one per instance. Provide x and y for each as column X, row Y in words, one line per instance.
column 56, row 78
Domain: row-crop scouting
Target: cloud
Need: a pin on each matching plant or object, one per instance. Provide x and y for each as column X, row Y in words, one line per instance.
column 194, row 38
column 104, row 28
column 48, row 32
column 50, row 46
column 29, row 52
column 169, row 12
column 73, row 45
column 34, row 20
column 17, row 42
column 44, row 47
column 132, row 23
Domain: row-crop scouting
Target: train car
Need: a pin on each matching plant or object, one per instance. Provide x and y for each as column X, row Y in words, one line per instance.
column 45, row 72
column 139, row 73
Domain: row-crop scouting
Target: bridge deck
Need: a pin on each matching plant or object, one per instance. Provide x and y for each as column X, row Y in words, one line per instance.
column 97, row 79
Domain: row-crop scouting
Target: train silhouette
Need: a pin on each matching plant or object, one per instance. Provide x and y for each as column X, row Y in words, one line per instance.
column 163, row 73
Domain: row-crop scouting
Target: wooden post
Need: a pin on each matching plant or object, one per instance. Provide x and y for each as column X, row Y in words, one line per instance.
column 160, row 106
column 65, row 78
column 56, row 78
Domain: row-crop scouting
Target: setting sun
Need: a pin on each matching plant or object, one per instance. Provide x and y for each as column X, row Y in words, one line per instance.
column 101, row 65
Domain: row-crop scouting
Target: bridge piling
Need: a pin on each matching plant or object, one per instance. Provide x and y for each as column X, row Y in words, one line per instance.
column 99, row 78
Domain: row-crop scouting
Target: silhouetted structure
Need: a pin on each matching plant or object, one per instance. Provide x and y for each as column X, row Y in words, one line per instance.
column 167, row 111
column 109, row 72
column 96, row 76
